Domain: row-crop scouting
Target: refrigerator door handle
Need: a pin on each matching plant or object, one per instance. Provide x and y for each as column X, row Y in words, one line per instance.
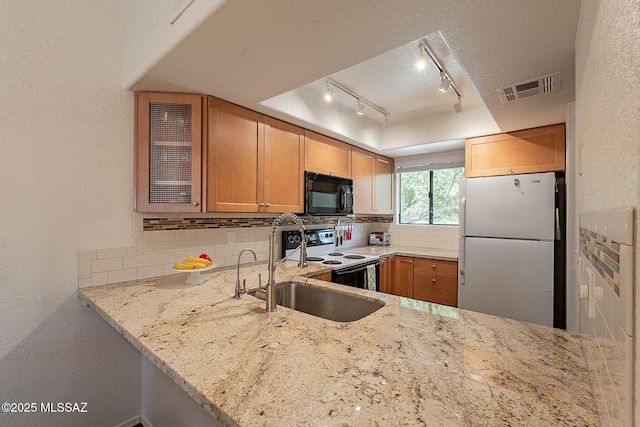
column 462, row 216
column 461, row 228
column 558, row 232
column 461, row 259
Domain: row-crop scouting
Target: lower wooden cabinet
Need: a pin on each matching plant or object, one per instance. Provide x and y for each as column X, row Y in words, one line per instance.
column 435, row 281
column 324, row 277
column 421, row 278
column 403, row 277
column 385, row 280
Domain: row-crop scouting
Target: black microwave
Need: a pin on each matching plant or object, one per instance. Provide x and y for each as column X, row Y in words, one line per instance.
column 327, row 195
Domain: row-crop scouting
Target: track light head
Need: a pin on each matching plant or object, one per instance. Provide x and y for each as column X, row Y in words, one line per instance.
column 328, row 94
column 422, row 61
column 458, row 105
column 360, row 107
column 444, row 85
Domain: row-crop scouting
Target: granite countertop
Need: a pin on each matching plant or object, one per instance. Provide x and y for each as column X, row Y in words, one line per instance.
column 411, row 363
column 412, row 251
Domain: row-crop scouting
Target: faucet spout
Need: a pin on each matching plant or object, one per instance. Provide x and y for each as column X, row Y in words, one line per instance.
column 241, row 290
column 271, row 291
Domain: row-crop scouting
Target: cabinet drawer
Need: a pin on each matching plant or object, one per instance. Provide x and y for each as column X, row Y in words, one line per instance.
column 434, row 288
column 437, row 267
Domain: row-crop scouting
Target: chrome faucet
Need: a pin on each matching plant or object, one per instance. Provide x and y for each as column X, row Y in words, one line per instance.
column 241, row 290
column 271, row 291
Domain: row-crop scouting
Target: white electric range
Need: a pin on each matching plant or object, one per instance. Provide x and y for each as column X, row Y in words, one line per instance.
column 347, row 268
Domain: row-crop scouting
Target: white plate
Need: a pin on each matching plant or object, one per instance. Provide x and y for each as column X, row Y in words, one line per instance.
column 194, row 275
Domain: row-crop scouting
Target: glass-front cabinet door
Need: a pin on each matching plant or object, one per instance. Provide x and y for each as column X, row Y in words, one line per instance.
column 168, row 152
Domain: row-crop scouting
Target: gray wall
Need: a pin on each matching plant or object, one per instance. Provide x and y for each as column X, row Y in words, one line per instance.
column 607, row 119
column 66, row 132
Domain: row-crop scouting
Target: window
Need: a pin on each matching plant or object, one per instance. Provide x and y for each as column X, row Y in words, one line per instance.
column 430, row 196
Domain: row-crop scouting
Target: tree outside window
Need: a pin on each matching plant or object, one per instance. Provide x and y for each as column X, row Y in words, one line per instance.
column 430, row 196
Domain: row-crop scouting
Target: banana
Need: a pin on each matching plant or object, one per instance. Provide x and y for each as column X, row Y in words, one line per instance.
column 181, row 266
column 196, row 265
column 198, row 260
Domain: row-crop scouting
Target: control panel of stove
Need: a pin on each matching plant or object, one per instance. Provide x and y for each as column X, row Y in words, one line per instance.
column 291, row 238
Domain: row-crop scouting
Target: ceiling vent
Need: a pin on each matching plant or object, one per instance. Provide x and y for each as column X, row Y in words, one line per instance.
column 540, row 85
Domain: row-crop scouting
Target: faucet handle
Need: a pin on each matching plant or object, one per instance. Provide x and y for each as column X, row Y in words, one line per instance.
column 260, row 282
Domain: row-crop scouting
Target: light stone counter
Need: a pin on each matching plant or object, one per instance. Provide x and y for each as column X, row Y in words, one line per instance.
column 411, row 251
column 411, row 363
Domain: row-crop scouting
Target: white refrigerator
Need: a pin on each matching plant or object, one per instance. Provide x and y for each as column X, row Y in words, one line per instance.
column 507, row 229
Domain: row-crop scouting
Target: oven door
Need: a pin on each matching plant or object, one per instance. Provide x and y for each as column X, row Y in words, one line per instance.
column 356, row 276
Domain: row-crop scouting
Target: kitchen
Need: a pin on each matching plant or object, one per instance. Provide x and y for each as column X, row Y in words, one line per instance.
column 56, row 349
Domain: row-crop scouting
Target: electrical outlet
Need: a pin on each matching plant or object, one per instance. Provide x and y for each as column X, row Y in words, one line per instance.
column 231, row 238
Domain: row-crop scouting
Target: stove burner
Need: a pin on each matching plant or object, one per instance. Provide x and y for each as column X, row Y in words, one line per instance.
column 331, row 262
column 336, row 254
column 314, row 258
column 353, row 257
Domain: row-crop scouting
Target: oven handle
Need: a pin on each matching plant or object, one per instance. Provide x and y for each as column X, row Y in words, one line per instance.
column 343, row 199
column 355, row 268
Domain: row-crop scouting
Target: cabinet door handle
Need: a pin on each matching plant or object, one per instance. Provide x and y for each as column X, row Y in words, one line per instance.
column 261, row 205
column 195, row 203
column 268, row 205
column 433, row 280
column 434, row 266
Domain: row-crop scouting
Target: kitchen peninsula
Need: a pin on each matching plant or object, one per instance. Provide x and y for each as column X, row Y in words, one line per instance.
column 409, row 363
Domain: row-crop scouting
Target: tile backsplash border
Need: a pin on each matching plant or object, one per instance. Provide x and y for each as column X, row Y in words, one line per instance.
column 205, row 223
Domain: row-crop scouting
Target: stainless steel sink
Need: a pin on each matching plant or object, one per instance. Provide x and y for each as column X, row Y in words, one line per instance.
column 323, row 302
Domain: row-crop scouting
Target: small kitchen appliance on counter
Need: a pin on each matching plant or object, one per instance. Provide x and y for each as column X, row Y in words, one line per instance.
column 380, row 238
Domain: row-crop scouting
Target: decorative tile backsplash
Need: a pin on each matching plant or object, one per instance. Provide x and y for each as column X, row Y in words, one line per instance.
column 159, row 242
column 203, row 223
column 604, row 254
column 605, row 282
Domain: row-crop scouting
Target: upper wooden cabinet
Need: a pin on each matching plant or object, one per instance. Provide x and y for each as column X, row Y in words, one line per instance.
column 168, row 152
column 363, row 181
column 527, row 151
column 283, row 167
column 372, row 182
column 254, row 163
column 383, row 185
column 326, row 155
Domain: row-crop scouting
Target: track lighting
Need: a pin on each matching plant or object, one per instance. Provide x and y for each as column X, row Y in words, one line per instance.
column 458, row 105
column 362, row 103
column 328, row 95
column 445, row 79
column 444, row 85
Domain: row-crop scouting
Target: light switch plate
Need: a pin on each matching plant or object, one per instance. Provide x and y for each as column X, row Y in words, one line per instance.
column 231, row 238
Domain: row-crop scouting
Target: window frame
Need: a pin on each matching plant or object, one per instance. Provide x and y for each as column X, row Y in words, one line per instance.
column 431, row 168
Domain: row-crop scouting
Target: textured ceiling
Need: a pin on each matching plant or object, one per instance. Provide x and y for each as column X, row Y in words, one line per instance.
column 249, row 51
